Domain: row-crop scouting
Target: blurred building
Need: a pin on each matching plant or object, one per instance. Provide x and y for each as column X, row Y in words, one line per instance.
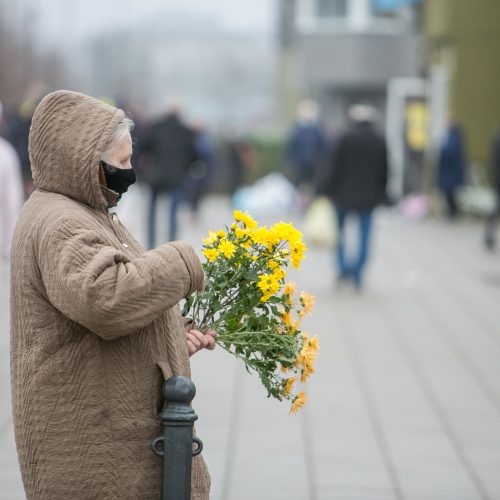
column 463, row 46
column 219, row 74
column 341, row 51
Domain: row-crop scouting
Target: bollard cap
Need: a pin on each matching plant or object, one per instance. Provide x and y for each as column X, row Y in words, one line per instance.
column 179, row 390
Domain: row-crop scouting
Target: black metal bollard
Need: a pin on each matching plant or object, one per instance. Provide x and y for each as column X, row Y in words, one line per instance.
column 176, row 444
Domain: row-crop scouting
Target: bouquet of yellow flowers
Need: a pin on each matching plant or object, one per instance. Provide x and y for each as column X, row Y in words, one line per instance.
column 254, row 311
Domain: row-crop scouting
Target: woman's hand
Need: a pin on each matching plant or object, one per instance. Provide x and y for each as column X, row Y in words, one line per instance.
column 197, row 340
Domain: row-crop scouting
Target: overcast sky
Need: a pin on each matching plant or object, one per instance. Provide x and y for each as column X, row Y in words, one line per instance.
column 56, row 20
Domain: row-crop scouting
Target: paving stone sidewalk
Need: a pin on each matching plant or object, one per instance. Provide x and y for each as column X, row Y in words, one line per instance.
column 405, row 404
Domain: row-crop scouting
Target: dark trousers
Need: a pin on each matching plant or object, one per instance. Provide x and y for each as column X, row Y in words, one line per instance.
column 450, row 196
column 176, row 197
column 490, row 239
column 353, row 267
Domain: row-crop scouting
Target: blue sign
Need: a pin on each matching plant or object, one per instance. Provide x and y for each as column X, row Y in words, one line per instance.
column 389, row 5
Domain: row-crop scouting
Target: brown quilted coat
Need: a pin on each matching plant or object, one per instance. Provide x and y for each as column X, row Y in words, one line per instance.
column 95, row 322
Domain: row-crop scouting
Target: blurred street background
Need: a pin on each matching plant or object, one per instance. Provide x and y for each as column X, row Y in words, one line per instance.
column 373, row 126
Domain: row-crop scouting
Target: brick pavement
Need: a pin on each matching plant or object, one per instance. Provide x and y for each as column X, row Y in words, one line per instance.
column 405, row 403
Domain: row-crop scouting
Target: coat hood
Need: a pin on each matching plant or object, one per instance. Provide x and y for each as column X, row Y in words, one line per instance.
column 68, row 134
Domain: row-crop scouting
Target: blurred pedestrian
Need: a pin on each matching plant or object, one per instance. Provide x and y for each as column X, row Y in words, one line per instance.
column 171, row 148
column 11, row 192
column 306, row 148
column 19, row 127
column 357, row 184
column 199, row 172
column 451, row 166
column 491, row 222
column 240, row 158
column 96, row 327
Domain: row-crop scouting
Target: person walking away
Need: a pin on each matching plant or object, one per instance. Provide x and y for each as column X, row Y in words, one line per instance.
column 357, row 185
column 489, row 237
column 199, row 172
column 239, row 160
column 306, row 149
column 11, row 193
column 451, row 166
column 95, row 321
column 171, row 147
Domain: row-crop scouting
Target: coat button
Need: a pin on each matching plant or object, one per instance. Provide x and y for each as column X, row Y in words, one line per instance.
column 124, row 244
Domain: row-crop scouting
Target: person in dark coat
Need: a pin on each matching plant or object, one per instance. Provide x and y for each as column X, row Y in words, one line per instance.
column 200, row 172
column 491, row 221
column 239, row 157
column 451, row 166
column 357, row 184
column 306, row 145
column 18, row 132
column 171, row 147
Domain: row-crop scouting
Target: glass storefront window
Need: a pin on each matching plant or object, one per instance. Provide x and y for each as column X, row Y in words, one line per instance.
column 331, row 8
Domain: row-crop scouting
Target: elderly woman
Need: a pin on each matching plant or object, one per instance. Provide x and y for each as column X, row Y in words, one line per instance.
column 96, row 326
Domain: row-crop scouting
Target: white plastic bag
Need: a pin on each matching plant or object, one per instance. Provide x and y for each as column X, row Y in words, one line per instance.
column 320, row 223
column 273, row 193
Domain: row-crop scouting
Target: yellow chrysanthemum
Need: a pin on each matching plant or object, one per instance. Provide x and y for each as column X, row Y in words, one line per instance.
column 285, row 231
column 289, row 325
column 272, row 238
column 290, row 288
column 268, row 284
column 287, row 318
column 284, row 369
column 210, row 238
column 297, row 251
column 226, row 248
column 260, row 235
column 279, row 274
column 307, row 302
column 240, row 233
column 288, row 387
column 306, row 373
column 298, row 402
column 245, row 218
column 308, row 354
column 259, row 257
column 210, row 253
column 307, row 357
column 313, row 343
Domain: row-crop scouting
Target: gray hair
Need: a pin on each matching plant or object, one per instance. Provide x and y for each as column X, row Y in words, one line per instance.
column 125, row 125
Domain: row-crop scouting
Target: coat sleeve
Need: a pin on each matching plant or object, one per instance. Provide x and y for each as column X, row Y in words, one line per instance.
column 99, row 287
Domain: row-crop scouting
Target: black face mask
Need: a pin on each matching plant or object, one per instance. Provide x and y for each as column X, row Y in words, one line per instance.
column 118, row 179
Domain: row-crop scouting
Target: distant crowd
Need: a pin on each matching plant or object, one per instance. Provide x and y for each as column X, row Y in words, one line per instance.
column 183, row 160
column 172, row 157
